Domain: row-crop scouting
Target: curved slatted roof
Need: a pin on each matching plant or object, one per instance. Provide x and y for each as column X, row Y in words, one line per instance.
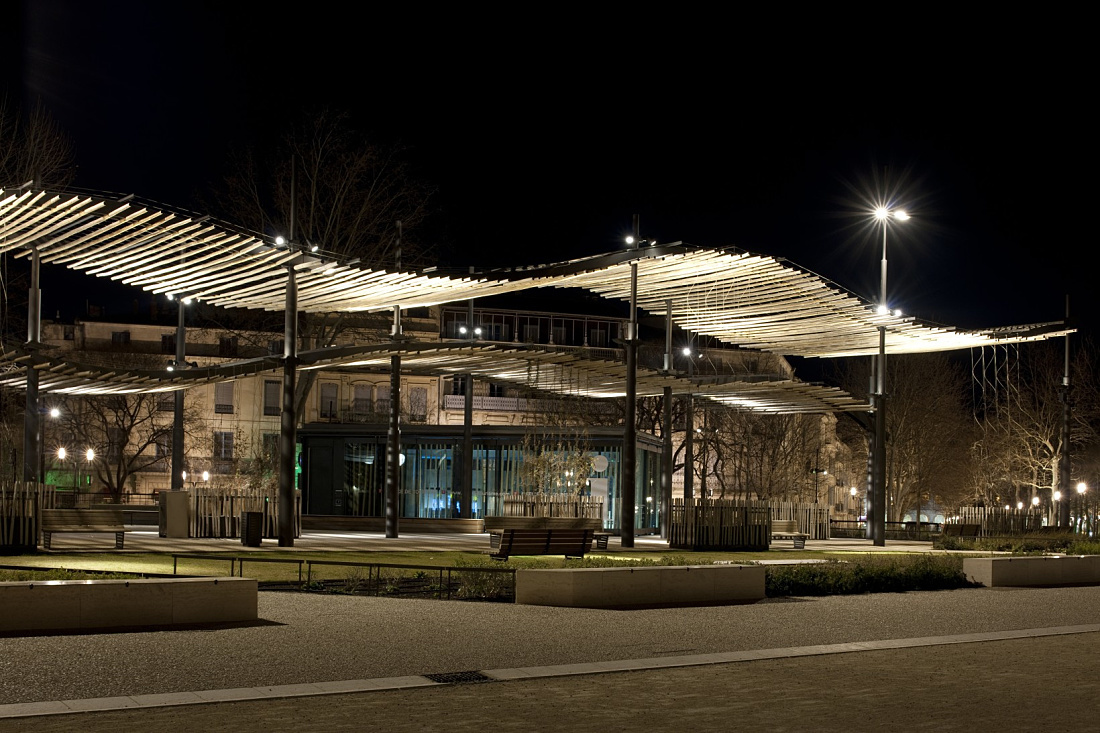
column 741, row 299
column 563, row 371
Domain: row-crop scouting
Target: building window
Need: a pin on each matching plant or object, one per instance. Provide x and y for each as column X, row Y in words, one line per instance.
column 116, row 439
column 458, row 385
column 223, row 398
column 223, row 445
column 273, row 390
column 270, row 446
column 168, row 343
column 382, row 401
column 120, row 338
column 418, row 404
column 166, row 402
column 70, row 333
column 361, row 402
column 227, row 346
column 328, row 400
column 275, row 347
column 496, row 390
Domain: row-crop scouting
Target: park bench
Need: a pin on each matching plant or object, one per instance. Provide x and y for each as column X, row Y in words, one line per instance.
column 571, row 537
column 961, row 530
column 82, row 520
column 787, row 529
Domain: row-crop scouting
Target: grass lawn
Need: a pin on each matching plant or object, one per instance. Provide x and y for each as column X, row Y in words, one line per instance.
column 218, row 563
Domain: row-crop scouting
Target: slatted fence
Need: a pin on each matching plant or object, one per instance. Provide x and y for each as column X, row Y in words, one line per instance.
column 736, row 524
column 217, row 512
column 21, row 505
column 550, row 505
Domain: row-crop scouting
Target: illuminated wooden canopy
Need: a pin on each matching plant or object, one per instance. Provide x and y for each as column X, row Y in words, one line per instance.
column 568, row 372
column 741, row 299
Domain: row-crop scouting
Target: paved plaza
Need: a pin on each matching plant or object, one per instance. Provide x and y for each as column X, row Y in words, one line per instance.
column 1014, row 659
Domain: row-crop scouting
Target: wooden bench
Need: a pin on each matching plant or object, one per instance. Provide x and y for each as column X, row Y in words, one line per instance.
column 82, row 520
column 787, row 529
column 568, row 536
column 961, row 530
column 567, row 542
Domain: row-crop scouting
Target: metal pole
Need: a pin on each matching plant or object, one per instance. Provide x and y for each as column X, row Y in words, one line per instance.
column 627, row 495
column 176, row 482
column 689, row 439
column 1067, row 424
column 393, row 437
column 880, row 417
column 467, row 494
column 288, row 420
column 666, row 431
column 32, row 427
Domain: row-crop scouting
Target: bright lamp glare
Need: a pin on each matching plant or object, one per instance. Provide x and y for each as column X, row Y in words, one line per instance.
column 90, row 455
column 901, row 215
column 882, row 310
column 630, row 240
column 881, row 213
column 1035, row 501
column 61, row 453
column 280, row 241
column 1081, row 487
column 686, row 351
column 1057, row 495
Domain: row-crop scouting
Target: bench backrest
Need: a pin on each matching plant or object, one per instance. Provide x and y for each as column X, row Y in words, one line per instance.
column 52, row 518
column 496, row 524
column 570, row 542
column 784, row 526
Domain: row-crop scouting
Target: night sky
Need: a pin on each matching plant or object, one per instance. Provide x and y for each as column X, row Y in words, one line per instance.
column 546, row 132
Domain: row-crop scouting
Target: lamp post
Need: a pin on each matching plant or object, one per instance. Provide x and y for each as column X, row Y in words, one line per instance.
column 1082, row 509
column 878, row 499
column 89, row 456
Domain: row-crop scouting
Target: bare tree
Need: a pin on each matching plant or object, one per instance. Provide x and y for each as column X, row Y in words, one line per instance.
column 33, row 148
column 349, row 195
column 1021, row 443
column 929, row 432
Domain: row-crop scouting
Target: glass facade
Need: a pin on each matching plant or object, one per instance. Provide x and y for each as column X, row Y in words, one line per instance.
column 344, row 474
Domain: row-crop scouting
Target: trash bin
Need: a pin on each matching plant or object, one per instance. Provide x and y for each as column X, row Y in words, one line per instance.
column 252, row 528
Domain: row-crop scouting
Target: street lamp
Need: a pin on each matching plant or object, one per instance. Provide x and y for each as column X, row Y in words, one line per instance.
column 878, row 501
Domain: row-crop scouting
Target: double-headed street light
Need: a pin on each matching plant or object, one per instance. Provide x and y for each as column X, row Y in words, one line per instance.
column 878, row 498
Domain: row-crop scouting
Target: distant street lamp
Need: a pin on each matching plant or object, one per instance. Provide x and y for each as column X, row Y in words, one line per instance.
column 89, row 456
column 878, row 532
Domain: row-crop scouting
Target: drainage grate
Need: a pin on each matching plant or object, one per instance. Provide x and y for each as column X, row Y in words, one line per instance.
column 458, row 678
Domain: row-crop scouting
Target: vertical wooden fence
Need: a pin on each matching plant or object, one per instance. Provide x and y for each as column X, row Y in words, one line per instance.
column 735, row 524
column 217, row 512
column 548, row 505
column 995, row 520
column 21, row 505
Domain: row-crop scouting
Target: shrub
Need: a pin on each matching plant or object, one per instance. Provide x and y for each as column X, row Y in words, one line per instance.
column 874, row 574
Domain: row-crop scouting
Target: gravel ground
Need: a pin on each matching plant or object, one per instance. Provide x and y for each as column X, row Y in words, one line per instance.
column 312, row 638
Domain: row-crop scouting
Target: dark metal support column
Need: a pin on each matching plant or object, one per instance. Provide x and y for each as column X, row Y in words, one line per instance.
column 880, row 442
column 628, row 490
column 666, row 431
column 32, row 419
column 178, row 467
column 289, row 422
column 393, row 436
column 1064, row 473
column 467, row 495
column 689, row 439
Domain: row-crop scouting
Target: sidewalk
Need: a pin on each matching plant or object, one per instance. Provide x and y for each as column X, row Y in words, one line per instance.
column 141, row 538
column 1015, row 659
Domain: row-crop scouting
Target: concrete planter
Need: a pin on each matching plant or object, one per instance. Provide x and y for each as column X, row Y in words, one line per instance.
column 641, row 587
column 1038, row 571
column 68, row 605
